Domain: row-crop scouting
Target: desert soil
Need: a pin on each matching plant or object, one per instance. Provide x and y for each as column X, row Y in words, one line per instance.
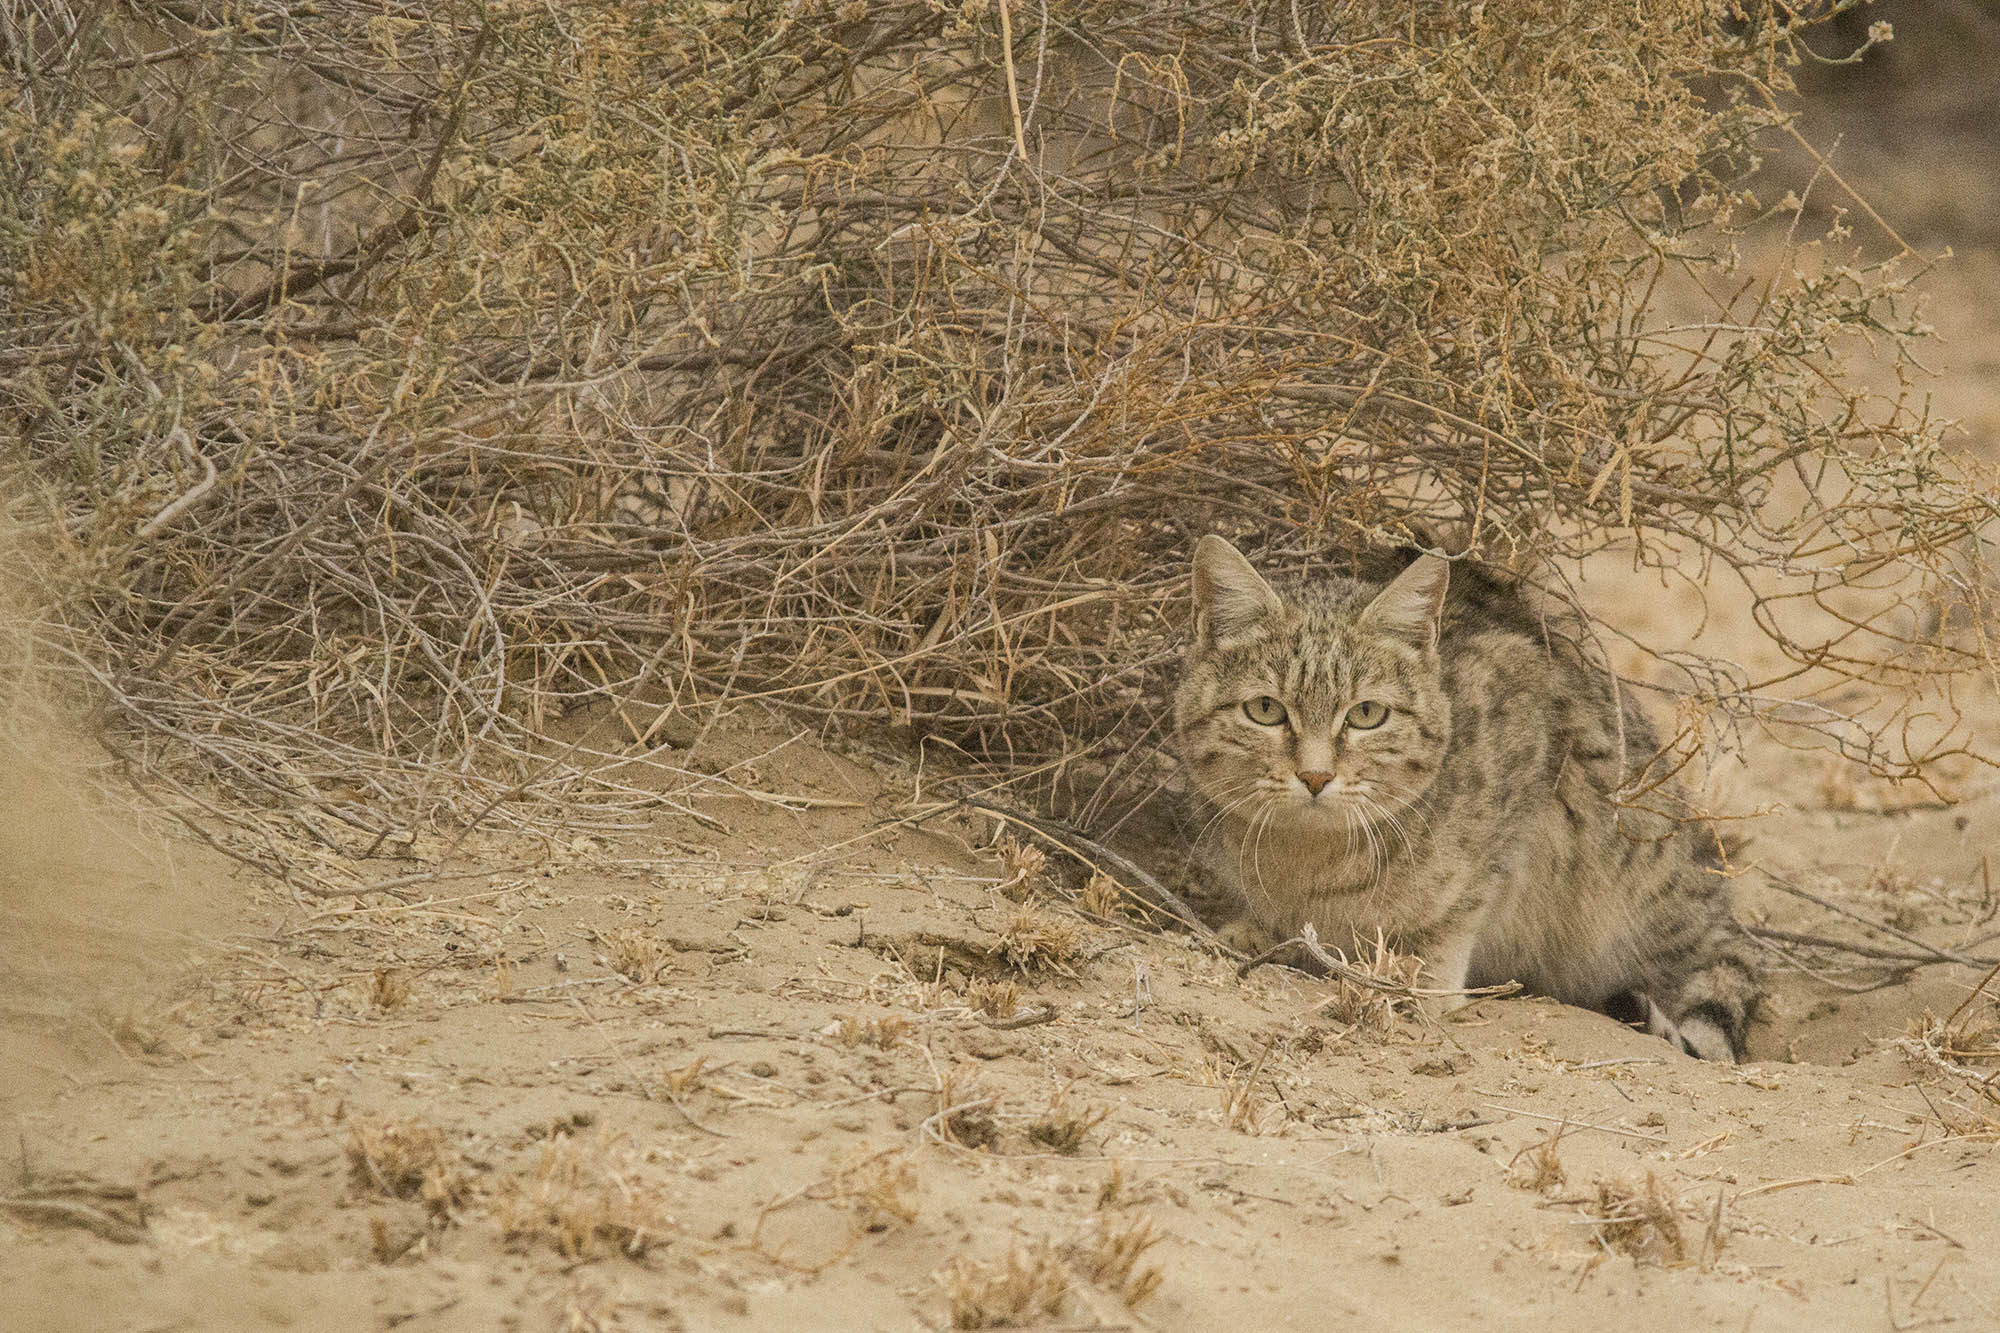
column 808, row 1067
column 805, row 1064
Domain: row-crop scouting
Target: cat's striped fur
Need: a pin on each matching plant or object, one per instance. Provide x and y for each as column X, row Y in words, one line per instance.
column 1444, row 773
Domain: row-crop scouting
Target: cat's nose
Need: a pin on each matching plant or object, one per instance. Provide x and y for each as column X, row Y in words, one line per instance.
column 1315, row 781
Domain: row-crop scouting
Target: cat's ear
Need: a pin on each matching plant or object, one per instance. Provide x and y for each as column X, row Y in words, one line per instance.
column 1410, row 607
column 1229, row 595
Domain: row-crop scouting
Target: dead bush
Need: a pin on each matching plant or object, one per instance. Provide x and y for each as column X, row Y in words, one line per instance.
column 899, row 386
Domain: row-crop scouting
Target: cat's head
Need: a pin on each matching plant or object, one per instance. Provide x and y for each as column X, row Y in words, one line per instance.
column 1321, row 704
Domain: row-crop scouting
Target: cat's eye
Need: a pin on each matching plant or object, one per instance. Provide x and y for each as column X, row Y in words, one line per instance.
column 1264, row 711
column 1367, row 715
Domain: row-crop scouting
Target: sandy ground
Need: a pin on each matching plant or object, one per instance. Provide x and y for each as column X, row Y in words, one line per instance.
column 806, row 1065
column 804, row 1070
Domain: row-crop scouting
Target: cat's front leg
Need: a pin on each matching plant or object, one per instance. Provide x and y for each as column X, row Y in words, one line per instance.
column 1447, row 964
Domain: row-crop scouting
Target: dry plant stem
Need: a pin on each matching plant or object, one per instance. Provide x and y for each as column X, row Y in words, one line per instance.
column 1976, row 992
column 1928, row 959
column 1099, row 857
column 1930, row 952
column 1579, row 1124
column 1308, row 941
column 555, row 761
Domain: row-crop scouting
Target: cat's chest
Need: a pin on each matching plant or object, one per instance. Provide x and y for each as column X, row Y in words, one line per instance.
column 1286, row 868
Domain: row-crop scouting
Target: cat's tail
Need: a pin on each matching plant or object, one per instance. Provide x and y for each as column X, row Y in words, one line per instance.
column 1706, row 988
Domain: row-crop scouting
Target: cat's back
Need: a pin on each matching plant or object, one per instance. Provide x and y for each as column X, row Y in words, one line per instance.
column 1528, row 703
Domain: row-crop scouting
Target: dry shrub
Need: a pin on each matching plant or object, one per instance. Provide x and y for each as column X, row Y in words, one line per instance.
column 881, row 1194
column 407, row 1159
column 1028, row 1286
column 389, row 385
column 579, row 1197
column 1962, row 1050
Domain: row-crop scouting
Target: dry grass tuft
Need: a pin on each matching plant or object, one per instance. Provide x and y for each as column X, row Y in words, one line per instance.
column 966, row 1113
column 1034, row 1280
column 1103, row 896
column 634, row 954
column 579, row 1197
column 883, row 1031
column 407, row 1159
column 1109, row 1253
column 1028, row 1286
column 881, row 1193
column 1111, row 1190
column 1375, row 1007
column 1038, row 941
column 1537, row 1167
column 1244, row 1110
column 1063, row 1125
column 1026, row 868
column 1636, row 1219
column 995, row 999
column 387, row 990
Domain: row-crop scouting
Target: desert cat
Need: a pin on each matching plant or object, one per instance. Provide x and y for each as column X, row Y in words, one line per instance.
column 1438, row 766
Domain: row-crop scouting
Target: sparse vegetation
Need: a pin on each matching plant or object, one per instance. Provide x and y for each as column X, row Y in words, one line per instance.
column 1029, row 1285
column 388, row 989
column 407, row 1159
column 1063, row 1125
column 881, row 1031
column 1108, row 1255
column 995, row 999
column 636, row 955
column 1538, row 1167
column 582, row 1195
column 1102, row 896
column 1034, row 1280
column 1023, row 865
column 1037, row 941
column 1637, row 1219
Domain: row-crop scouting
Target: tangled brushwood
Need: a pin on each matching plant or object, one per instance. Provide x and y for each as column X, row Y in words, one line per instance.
column 389, row 382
